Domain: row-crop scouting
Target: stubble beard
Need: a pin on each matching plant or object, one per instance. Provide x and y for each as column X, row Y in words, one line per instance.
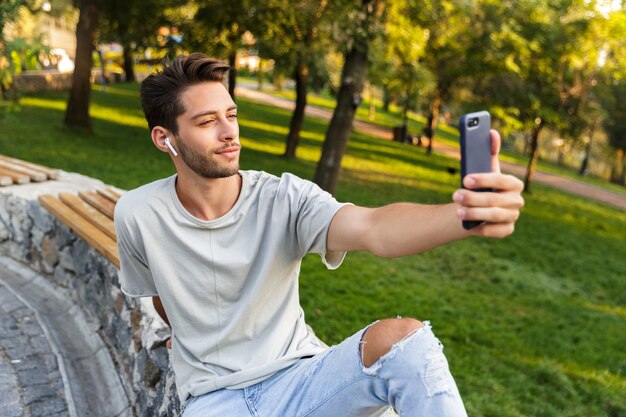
column 203, row 165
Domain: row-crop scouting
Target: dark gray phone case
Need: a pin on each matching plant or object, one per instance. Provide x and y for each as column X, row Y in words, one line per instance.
column 475, row 150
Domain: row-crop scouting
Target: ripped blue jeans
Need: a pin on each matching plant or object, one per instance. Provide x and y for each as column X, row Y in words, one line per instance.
column 412, row 378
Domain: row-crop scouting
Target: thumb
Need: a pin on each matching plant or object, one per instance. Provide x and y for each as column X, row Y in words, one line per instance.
column 495, row 151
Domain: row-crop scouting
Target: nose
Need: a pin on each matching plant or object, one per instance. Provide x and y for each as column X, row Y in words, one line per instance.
column 229, row 130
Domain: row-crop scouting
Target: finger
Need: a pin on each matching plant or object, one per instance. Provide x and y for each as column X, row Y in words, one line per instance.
column 501, row 182
column 496, row 141
column 488, row 214
column 469, row 198
column 499, row 230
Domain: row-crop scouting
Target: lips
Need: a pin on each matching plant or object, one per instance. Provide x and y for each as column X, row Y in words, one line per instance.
column 229, row 151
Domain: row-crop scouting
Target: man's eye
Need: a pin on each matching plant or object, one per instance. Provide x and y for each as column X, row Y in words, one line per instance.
column 206, row 122
column 232, row 116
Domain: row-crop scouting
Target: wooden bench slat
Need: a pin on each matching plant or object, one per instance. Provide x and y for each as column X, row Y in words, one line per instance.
column 50, row 173
column 114, row 194
column 34, row 175
column 90, row 214
column 109, row 194
column 96, row 238
column 5, row 180
column 16, row 177
column 106, row 206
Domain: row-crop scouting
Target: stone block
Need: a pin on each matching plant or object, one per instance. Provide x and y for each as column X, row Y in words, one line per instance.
column 152, row 374
column 66, row 260
column 33, row 377
column 39, row 392
column 40, row 343
column 4, row 231
column 63, row 234
column 41, row 217
column 14, row 342
column 20, row 222
column 47, row 407
column 30, row 362
column 80, row 254
column 49, row 252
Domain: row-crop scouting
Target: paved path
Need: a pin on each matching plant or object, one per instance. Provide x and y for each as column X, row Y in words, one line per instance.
column 557, row 181
column 53, row 362
column 30, row 382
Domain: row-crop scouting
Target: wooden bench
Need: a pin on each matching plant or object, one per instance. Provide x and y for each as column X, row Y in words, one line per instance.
column 16, row 171
column 90, row 215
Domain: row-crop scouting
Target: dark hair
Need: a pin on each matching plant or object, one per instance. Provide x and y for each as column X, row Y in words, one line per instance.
column 160, row 92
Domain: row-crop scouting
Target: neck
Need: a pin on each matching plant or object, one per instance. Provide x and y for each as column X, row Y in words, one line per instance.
column 208, row 199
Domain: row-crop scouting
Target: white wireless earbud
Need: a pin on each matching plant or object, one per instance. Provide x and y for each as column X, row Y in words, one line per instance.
column 169, row 145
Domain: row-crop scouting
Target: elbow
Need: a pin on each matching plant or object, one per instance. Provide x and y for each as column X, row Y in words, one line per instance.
column 383, row 249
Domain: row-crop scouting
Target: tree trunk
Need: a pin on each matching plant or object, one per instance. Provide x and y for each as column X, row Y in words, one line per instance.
column 232, row 74
column 386, row 98
column 260, row 75
column 584, row 166
column 297, row 118
column 348, row 98
column 431, row 122
column 623, row 180
column 338, row 133
column 371, row 116
column 618, row 171
column 560, row 160
column 129, row 67
column 405, row 109
column 77, row 113
column 534, row 146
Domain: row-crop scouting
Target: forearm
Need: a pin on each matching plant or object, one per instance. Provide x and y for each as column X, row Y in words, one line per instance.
column 402, row 229
column 158, row 306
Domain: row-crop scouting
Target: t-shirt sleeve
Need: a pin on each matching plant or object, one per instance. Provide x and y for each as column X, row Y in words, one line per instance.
column 315, row 211
column 135, row 276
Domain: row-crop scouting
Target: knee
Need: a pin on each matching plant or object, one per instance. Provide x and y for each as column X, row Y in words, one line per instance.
column 381, row 336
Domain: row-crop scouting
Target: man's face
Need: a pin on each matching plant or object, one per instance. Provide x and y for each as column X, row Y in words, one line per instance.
column 208, row 132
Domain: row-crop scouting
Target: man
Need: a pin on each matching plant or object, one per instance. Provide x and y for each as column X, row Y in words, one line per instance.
column 219, row 249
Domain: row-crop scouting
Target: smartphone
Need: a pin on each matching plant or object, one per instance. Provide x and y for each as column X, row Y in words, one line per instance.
column 475, row 150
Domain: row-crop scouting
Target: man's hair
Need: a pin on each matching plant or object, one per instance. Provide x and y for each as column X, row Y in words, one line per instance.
column 160, row 92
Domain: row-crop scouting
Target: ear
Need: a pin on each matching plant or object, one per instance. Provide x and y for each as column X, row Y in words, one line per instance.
column 158, row 135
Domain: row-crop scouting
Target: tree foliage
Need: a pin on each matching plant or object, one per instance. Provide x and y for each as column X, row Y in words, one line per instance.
column 296, row 39
column 126, row 22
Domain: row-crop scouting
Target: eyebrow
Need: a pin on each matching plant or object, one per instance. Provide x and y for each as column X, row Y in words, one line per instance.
column 210, row 112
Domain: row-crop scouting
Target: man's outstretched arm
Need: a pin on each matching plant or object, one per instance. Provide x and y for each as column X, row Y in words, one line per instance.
column 402, row 229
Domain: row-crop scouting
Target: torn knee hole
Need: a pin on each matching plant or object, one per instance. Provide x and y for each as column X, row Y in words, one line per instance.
column 380, row 338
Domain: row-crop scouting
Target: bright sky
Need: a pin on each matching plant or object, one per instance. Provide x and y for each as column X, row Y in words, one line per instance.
column 607, row 6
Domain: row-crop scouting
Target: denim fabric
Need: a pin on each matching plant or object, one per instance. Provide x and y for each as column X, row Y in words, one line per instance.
column 413, row 378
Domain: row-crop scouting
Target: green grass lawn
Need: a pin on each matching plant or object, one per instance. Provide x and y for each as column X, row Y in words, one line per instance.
column 534, row 325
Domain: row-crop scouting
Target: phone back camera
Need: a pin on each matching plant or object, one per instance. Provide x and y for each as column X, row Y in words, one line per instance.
column 473, row 122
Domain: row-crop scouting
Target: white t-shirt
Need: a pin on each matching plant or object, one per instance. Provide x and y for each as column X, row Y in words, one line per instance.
column 229, row 286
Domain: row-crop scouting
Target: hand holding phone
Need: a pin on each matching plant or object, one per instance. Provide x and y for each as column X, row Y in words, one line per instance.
column 475, row 130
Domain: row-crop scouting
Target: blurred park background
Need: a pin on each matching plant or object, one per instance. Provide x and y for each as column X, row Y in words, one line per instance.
column 534, row 325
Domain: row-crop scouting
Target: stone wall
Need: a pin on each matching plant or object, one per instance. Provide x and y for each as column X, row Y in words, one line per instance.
column 35, row 81
column 130, row 328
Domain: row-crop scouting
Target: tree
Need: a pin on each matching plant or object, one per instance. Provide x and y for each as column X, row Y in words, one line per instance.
column 539, row 79
column 366, row 23
column 613, row 91
column 291, row 33
column 451, row 45
column 77, row 112
column 218, row 28
column 24, row 48
column 615, row 127
column 126, row 22
column 396, row 58
column 551, row 77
